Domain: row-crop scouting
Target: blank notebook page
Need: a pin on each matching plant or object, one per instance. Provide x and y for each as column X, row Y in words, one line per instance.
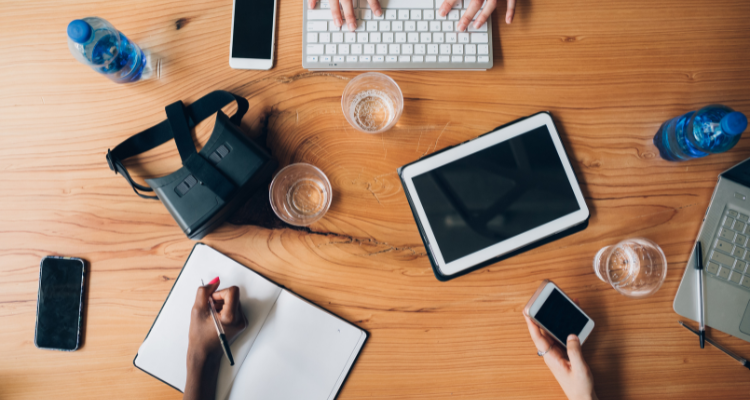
column 164, row 352
column 302, row 352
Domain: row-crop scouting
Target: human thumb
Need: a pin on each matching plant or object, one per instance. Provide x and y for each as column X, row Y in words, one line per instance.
column 575, row 355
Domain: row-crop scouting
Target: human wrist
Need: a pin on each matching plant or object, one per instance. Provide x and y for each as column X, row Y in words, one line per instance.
column 200, row 359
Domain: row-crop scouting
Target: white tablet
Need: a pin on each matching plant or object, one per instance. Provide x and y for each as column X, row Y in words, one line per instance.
column 494, row 195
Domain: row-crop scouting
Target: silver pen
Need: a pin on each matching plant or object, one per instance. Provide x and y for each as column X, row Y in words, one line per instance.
column 741, row 360
column 219, row 329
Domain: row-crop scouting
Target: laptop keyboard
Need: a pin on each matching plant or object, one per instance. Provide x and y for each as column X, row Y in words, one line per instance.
column 408, row 35
column 730, row 253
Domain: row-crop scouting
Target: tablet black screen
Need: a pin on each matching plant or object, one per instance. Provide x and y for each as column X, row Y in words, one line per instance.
column 495, row 194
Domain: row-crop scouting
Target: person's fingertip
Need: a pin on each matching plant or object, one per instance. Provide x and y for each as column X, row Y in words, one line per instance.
column 352, row 26
column 215, row 280
column 572, row 338
column 378, row 12
column 461, row 26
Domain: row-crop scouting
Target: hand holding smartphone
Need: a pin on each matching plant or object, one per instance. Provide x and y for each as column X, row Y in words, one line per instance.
column 557, row 314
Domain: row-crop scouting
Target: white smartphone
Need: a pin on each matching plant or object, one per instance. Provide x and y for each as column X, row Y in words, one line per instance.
column 253, row 34
column 557, row 314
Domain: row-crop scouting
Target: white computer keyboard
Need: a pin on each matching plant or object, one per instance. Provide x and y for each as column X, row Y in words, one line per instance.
column 408, row 35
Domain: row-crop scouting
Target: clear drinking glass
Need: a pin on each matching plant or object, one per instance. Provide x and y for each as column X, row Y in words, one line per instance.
column 300, row 194
column 634, row 267
column 372, row 102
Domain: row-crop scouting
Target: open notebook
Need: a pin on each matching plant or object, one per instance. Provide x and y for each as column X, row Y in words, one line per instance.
column 291, row 348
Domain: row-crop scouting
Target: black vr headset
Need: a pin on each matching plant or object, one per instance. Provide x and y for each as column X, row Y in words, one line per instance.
column 212, row 183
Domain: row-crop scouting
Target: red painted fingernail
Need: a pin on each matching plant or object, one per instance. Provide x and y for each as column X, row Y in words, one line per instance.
column 214, row 281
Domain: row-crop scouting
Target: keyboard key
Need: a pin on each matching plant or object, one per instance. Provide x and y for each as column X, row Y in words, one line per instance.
column 445, row 49
column 387, row 37
column 738, row 252
column 378, row 58
column 444, row 58
column 430, row 58
column 403, row 14
column 365, row 14
column 438, row 37
column 381, row 17
column 482, row 28
column 391, row 58
column 382, row 49
column 331, row 49
column 739, row 226
column 723, row 246
column 418, row 59
column 350, row 37
column 404, row 59
column 470, row 59
column 391, row 14
column 407, row 49
column 312, row 58
column 372, row 26
column 317, row 26
column 733, row 213
column 463, row 37
column 484, row 59
column 338, row 37
column 745, row 282
column 726, row 234
column 712, row 268
column 369, row 49
column 363, row 37
column 423, row 26
column 324, row 15
column 447, row 26
column 471, row 49
column 435, row 26
column 483, row 49
column 432, row 49
column 740, row 266
column 428, row 14
column 385, row 26
column 742, row 217
column 364, row 58
column 439, row 17
column 450, row 37
column 344, row 49
column 401, row 4
column 324, row 37
column 458, row 49
column 397, row 26
column 723, row 273
column 357, row 49
column 312, row 38
column 416, row 14
column 425, row 37
column 740, row 240
column 457, row 4
column 412, row 37
column 315, row 49
column 479, row 38
column 728, row 222
column 400, row 37
column 394, row 49
column 722, row 258
column 338, row 58
column 457, row 59
column 352, row 59
column 735, row 277
column 375, row 37
column 332, row 27
column 453, row 15
column 410, row 26
column 420, row 49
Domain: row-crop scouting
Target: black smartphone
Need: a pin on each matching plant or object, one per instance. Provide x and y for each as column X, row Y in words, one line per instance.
column 59, row 304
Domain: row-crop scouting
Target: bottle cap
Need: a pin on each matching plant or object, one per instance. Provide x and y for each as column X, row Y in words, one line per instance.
column 79, row 31
column 734, row 123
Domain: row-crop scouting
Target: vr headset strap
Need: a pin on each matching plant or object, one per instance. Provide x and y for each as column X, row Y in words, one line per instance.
column 180, row 121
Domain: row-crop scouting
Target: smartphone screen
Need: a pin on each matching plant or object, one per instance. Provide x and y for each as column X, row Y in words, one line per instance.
column 560, row 316
column 59, row 303
column 253, row 29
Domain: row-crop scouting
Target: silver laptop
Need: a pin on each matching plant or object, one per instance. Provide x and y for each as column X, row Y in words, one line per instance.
column 726, row 258
column 408, row 35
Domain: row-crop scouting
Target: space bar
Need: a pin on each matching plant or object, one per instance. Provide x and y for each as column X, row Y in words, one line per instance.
column 400, row 4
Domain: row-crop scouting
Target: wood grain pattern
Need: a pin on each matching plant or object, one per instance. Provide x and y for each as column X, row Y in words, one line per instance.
column 610, row 72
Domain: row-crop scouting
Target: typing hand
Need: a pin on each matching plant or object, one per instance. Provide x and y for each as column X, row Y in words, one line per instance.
column 203, row 340
column 571, row 372
column 351, row 19
column 471, row 11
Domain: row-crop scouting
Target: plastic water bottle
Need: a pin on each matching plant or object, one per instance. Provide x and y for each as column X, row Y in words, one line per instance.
column 96, row 43
column 710, row 130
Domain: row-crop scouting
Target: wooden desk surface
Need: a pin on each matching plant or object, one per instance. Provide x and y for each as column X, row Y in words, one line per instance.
column 610, row 72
